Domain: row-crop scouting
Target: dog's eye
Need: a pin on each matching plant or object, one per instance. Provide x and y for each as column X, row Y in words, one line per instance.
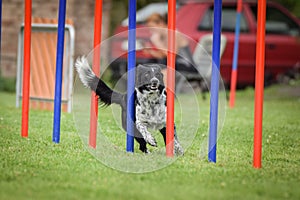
column 147, row 75
column 158, row 75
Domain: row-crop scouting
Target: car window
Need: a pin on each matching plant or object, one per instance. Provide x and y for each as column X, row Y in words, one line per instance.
column 278, row 23
column 228, row 20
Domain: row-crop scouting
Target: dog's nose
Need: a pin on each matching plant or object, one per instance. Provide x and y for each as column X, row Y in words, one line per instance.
column 154, row 81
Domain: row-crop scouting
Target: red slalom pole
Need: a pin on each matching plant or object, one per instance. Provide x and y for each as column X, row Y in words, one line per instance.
column 96, row 69
column 232, row 88
column 170, row 78
column 259, row 83
column 26, row 68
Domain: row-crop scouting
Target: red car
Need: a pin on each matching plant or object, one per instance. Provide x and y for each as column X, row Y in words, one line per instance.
column 195, row 20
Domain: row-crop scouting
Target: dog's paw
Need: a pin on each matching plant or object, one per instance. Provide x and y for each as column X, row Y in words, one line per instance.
column 144, row 150
column 178, row 150
column 147, row 152
column 150, row 140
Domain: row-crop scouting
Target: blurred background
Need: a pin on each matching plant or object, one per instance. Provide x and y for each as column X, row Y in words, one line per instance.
column 81, row 13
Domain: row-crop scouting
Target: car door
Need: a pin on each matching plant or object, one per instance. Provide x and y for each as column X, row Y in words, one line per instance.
column 246, row 58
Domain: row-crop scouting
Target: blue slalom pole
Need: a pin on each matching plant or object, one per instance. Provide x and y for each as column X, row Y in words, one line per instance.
column 235, row 55
column 131, row 76
column 59, row 67
column 214, row 90
column 0, row 26
column 236, row 41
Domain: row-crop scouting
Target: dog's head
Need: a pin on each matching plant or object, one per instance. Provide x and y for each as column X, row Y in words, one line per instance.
column 149, row 77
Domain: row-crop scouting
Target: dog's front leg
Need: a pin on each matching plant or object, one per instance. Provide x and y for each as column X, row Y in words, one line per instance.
column 142, row 128
column 178, row 150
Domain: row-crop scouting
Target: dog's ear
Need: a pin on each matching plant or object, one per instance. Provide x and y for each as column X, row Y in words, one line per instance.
column 138, row 74
column 139, row 68
column 161, row 66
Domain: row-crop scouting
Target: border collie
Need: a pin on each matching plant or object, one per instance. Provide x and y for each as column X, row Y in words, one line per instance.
column 150, row 101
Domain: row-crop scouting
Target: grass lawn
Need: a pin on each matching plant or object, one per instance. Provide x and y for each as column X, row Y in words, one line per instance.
column 36, row 168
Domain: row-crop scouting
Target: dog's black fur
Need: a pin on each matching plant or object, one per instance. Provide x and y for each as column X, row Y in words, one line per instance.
column 150, row 101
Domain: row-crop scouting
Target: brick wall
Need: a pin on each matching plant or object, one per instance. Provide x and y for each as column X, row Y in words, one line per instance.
column 81, row 12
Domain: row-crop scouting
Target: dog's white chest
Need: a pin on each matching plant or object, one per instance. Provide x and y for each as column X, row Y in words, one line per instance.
column 151, row 109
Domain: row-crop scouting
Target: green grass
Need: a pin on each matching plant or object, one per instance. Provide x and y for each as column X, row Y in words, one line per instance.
column 36, row 168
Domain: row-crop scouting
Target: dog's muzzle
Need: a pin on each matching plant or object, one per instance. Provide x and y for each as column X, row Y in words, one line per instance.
column 154, row 83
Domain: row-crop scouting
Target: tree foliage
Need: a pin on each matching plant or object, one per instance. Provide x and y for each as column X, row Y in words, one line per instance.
column 291, row 5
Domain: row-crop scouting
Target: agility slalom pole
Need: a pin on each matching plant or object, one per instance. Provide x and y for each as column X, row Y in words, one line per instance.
column 214, row 90
column 0, row 27
column 96, row 69
column 26, row 68
column 171, row 78
column 235, row 55
column 259, row 83
column 59, row 70
column 131, row 76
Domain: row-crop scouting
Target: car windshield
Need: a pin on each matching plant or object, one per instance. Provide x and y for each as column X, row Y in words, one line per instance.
column 277, row 22
column 228, row 20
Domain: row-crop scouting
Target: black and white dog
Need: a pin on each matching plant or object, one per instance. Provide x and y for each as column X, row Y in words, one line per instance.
column 150, row 101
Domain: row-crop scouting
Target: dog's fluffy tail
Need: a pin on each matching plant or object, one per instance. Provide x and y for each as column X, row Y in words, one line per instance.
column 89, row 79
